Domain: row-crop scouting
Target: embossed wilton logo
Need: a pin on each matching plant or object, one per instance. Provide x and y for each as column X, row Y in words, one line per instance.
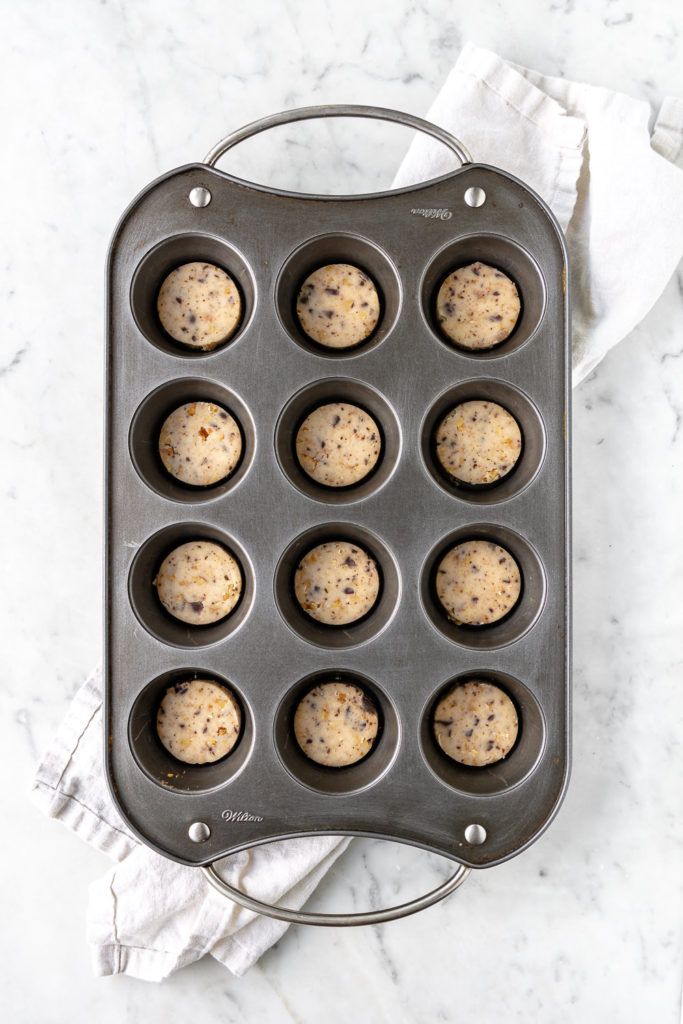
column 240, row 816
column 438, row 213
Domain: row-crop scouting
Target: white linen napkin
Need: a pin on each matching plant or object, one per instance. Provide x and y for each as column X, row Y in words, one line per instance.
column 617, row 193
column 616, row 190
column 149, row 915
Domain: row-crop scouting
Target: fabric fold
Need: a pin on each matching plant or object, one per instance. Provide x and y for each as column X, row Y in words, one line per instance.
column 149, row 916
column 667, row 135
column 587, row 151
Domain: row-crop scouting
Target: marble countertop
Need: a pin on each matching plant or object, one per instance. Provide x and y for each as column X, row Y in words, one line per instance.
column 99, row 99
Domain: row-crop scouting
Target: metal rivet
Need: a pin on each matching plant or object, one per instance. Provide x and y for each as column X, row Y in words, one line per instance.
column 200, row 196
column 475, row 835
column 199, row 832
column 475, row 196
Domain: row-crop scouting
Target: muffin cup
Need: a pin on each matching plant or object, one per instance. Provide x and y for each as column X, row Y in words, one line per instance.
column 530, row 423
column 338, row 248
column 174, row 252
column 503, row 254
column 509, row 771
column 324, row 392
column 354, row 633
column 149, row 609
column 518, row 621
column 147, row 423
column 159, row 764
column 350, row 778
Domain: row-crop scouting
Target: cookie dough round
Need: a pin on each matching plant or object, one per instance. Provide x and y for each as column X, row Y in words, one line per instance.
column 478, row 583
column 476, row 723
column 199, row 721
column 336, row 724
column 336, row 583
column 477, row 306
column 200, row 443
column 338, row 444
column 338, row 306
column 478, row 442
column 199, row 305
column 199, row 582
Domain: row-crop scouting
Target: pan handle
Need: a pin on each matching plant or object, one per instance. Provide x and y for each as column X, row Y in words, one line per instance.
column 337, row 110
column 337, row 920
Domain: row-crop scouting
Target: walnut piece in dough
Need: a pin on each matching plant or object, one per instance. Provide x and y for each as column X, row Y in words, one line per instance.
column 338, row 306
column 335, row 724
column 477, row 306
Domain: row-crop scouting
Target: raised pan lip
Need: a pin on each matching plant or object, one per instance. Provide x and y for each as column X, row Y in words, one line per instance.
column 317, row 197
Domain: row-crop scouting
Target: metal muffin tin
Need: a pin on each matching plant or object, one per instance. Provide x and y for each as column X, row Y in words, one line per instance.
column 406, row 652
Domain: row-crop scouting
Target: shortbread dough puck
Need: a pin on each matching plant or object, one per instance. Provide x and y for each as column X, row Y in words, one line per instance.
column 478, row 442
column 336, row 583
column 478, row 583
column 338, row 305
column 199, row 305
column 335, row 724
column 477, row 306
column 200, row 444
column 199, row 582
column 338, row 444
column 475, row 723
column 199, row 721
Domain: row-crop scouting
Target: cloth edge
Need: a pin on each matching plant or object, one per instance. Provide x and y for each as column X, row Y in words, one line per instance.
column 667, row 134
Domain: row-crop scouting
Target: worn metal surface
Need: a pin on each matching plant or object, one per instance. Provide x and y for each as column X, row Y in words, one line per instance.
column 406, row 514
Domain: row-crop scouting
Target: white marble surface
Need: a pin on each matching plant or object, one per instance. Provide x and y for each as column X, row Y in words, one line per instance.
column 98, row 99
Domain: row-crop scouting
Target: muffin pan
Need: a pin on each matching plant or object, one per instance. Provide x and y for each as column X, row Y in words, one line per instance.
column 405, row 653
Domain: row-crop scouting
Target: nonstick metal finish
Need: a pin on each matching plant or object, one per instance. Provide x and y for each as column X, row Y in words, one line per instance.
column 406, row 514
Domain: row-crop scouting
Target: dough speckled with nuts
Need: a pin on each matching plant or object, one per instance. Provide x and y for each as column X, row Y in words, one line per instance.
column 199, row 582
column 338, row 444
column 199, row 721
column 336, row 724
column 478, row 442
column 477, row 306
column 200, row 443
column 478, row 583
column 199, row 305
column 338, row 305
column 336, row 583
column 476, row 723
